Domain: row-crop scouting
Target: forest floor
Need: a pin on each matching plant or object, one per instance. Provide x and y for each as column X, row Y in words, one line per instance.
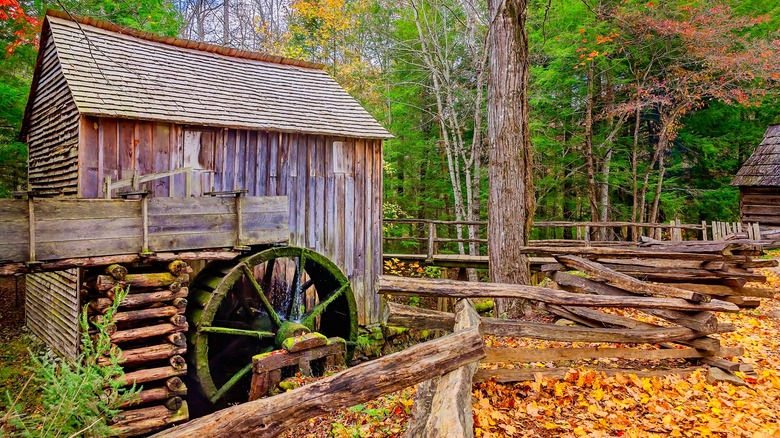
column 584, row 403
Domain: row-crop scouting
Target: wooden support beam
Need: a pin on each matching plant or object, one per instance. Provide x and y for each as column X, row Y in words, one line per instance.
column 271, row 416
column 463, row 289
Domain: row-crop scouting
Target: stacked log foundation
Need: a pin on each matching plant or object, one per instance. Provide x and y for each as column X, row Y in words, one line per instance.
column 148, row 336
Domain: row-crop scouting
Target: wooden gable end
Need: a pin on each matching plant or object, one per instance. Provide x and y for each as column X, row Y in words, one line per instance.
column 51, row 127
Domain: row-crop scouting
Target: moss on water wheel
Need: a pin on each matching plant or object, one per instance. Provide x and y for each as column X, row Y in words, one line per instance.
column 237, row 307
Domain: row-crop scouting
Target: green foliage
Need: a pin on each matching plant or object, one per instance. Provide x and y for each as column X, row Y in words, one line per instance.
column 156, row 16
column 78, row 396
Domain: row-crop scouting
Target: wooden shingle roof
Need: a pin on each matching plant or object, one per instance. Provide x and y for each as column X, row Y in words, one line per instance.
column 115, row 72
column 762, row 169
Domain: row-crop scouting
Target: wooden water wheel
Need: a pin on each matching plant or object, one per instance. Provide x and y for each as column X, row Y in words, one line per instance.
column 248, row 306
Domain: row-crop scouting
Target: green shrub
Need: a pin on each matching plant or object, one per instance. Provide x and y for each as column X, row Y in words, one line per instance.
column 78, row 396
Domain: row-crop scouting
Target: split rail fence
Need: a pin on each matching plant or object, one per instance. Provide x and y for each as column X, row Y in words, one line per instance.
column 432, row 237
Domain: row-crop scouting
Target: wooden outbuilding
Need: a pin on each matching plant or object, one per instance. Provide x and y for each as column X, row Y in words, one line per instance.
column 108, row 104
column 759, row 182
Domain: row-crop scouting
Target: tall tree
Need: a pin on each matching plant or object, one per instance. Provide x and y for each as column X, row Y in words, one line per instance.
column 511, row 197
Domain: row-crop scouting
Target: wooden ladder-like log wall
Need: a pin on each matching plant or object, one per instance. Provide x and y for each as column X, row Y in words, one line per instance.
column 149, row 333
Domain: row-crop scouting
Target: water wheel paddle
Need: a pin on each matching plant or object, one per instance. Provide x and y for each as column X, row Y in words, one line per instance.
column 250, row 305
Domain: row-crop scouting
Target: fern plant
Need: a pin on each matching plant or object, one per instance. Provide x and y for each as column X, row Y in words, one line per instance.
column 79, row 397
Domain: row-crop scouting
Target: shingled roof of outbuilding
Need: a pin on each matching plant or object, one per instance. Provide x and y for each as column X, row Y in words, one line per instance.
column 762, row 169
column 118, row 72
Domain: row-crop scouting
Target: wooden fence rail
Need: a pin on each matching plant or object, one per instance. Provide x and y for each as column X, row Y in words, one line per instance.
column 425, row 233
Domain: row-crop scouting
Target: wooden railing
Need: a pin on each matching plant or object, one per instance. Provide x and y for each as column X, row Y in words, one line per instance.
column 429, row 235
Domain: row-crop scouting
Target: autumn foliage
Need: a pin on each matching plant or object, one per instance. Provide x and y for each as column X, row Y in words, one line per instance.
column 25, row 27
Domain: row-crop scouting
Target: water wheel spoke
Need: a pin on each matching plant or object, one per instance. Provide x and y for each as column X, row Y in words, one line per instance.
column 268, row 275
column 258, row 334
column 307, row 285
column 231, row 383
column 295, row 289
column 310, row 317
column 259, row 290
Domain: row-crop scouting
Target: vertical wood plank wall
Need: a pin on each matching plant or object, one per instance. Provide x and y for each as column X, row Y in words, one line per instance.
column 52, row 309
column 54, row 132
column 333, row 184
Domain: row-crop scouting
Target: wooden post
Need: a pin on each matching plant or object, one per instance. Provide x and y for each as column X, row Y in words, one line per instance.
column 107, row 187
column 587, row 235
column 239, row 221
column 145, row 220
column 31, row 221
column 431, row 241
column 446, row 409
column 756, row 231
column 704, row 230
column 188, row 184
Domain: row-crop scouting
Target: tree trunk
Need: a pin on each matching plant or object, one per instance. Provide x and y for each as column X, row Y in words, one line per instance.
column 511, row 200
column 634, row 149
column 589, row 158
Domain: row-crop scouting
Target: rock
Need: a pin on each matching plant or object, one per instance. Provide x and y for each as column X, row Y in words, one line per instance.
column 718, row 375
column 564, row 321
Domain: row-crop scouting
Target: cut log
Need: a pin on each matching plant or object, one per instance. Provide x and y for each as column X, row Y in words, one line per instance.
column 177, row 362
column 178, row 338
column 743, row 302
column 142, row 281
column 550, row 332
column 152, row 374
column 595, row 252
column 142, row 314
column 504, row 327
column 179, row 267
column 524, row 375
column 146, row 420
column 725, row 365
column 464, row 289
column 715, row 289
column 629, row 283
column 146, row 298
column 117, row 271
column 271, row 416
column 175, row 384
column 399, row 315
column 767, row 263
column 178, row 320
column 145, row 332
column 450, row 408
column 703, row 321
column 152, row 395
column 145, row 354
column 529, row 355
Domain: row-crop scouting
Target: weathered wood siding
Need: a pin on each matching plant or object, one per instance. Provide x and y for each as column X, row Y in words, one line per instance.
column 52, row 309
column 760, row 204
column 69, row 228
column 54, row 129
column 333, row 184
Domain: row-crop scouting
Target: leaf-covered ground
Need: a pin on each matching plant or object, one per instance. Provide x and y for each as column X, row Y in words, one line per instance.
column 589, row 403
